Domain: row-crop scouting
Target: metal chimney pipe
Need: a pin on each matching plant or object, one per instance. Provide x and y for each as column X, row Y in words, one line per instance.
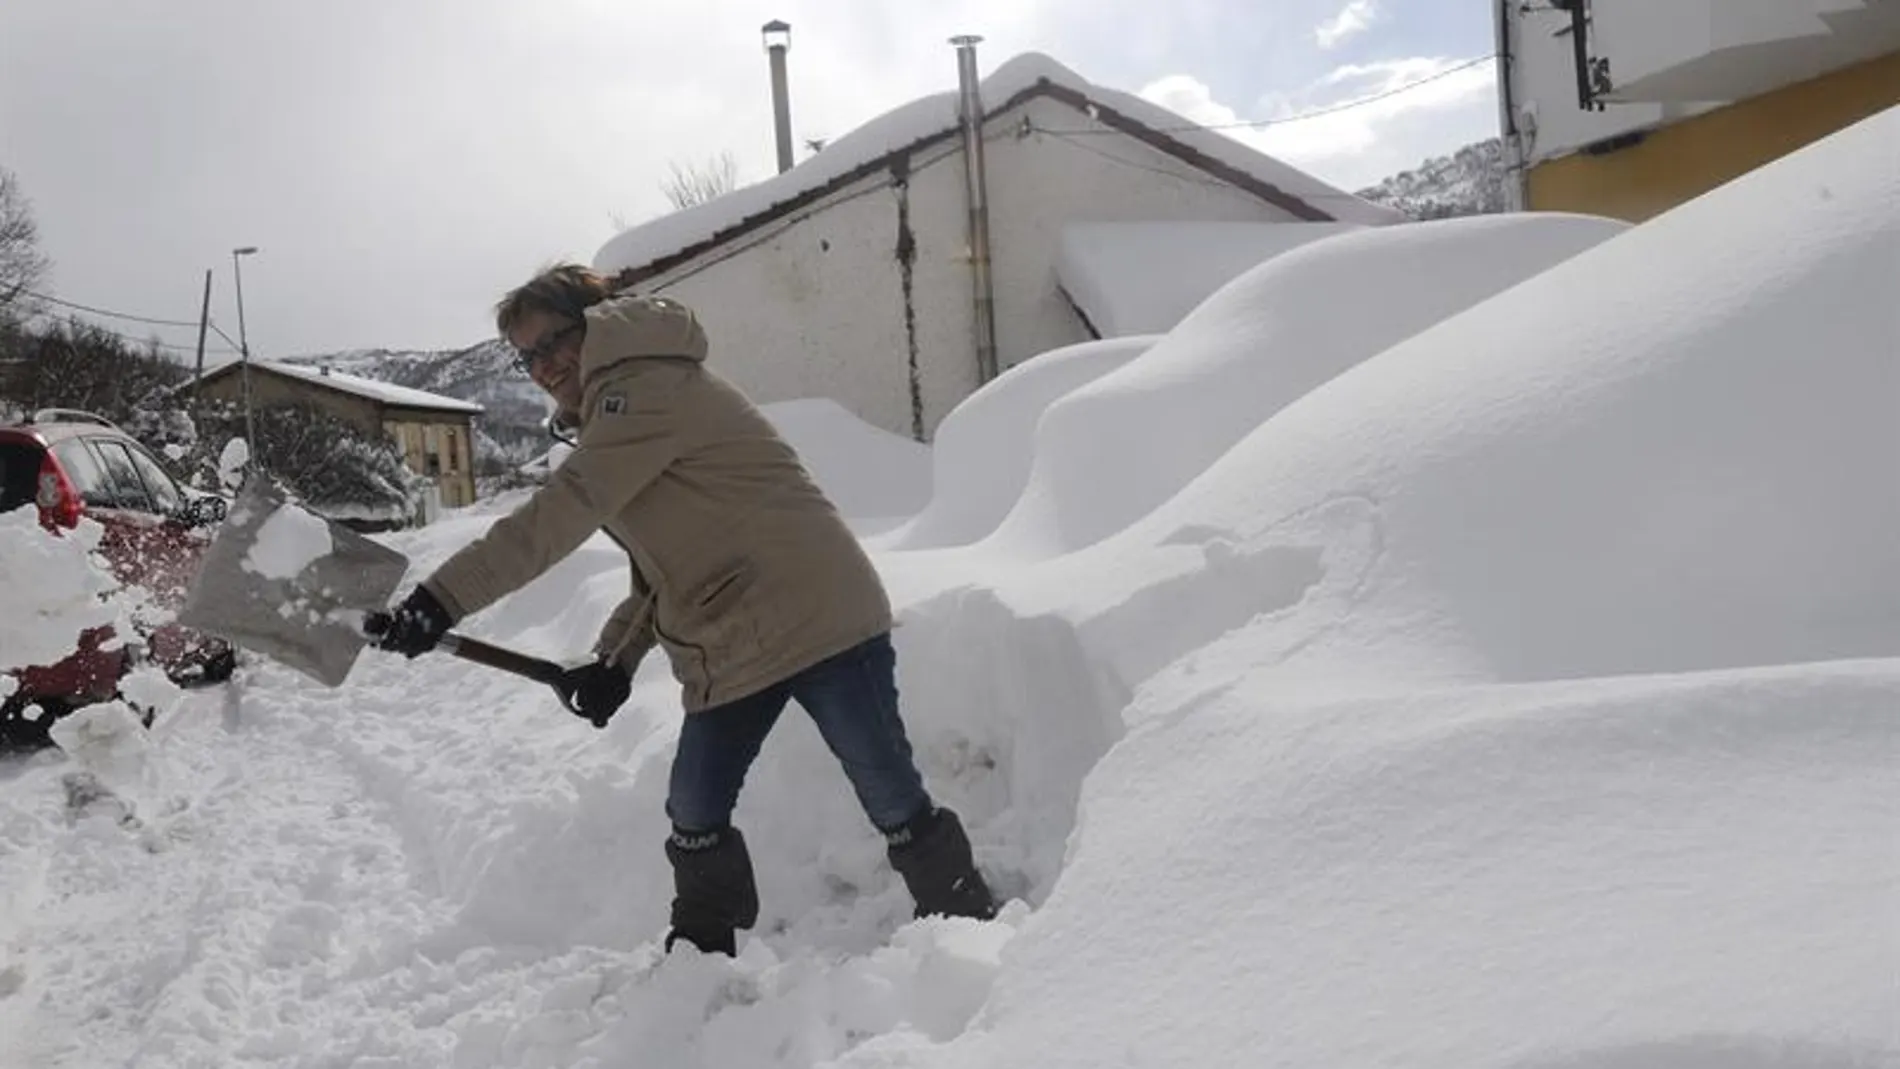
column 970, row 111
column 778, row 41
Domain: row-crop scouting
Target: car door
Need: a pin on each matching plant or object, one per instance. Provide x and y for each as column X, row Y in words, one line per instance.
column 134, row 540
column 178, row 544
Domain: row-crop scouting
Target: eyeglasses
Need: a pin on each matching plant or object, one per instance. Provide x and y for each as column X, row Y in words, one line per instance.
column 525, row 359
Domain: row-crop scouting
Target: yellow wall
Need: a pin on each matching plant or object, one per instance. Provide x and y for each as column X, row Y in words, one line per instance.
column 1680, row 162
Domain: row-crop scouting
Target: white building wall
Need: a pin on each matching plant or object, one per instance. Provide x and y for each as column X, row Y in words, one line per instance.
column 1544, row 91
column 816, row 305
column 944, row 296
column 1040, row 183
column 811, row 308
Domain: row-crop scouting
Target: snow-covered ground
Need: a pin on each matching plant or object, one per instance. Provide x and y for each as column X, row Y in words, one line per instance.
column 1508, row 683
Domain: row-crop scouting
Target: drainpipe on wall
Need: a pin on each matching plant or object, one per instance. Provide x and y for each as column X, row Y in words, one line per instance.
column 1516, row 175
column 970, row 109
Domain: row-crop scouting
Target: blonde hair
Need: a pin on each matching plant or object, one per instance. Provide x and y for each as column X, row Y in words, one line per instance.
column 566, row 290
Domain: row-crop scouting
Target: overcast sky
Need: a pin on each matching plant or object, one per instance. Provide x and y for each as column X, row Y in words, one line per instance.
column 402, row 162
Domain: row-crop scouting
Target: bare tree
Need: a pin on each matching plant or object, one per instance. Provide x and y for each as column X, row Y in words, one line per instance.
column 698, row 183
column 21, row 265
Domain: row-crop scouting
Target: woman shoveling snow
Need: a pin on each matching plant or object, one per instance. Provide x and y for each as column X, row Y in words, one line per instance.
column 742, row 571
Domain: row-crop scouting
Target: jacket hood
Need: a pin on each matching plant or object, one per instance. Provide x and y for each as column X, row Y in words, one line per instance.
column 636, row 328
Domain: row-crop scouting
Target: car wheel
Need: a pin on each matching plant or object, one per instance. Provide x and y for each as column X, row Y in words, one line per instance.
column 220, row 666
column 17, row 733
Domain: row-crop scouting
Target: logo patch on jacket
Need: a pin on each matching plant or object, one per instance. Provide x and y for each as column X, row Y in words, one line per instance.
column 613, row 404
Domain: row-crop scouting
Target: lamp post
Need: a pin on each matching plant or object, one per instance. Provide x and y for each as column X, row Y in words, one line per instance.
column 244, row 347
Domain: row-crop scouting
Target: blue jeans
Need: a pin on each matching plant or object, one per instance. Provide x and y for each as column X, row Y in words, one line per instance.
column 852, row 697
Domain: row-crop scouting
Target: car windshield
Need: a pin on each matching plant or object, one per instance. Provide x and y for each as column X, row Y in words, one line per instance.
column 19, row 474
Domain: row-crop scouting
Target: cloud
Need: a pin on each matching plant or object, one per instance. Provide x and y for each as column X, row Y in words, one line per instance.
column 1353, row 19
column 402, row 164
column 1404, row 119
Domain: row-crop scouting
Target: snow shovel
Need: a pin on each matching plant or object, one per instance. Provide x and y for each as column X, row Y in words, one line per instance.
column 295, row 587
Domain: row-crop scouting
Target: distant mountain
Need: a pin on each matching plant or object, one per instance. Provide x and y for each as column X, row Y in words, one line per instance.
column 509, row 432
column 1468, row 182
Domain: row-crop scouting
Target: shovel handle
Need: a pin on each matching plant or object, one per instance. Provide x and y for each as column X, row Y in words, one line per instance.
column 472, row 649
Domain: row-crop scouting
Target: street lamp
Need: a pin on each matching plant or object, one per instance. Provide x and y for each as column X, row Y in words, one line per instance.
column 244, row 348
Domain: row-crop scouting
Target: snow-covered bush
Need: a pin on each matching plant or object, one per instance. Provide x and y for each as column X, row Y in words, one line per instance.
column 330, row 463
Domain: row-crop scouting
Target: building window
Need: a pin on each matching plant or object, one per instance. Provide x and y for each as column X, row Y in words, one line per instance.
column 454, row 451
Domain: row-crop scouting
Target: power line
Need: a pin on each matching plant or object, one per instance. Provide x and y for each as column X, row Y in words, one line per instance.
column 139, row 343
column 1258, row 124
column 50, row 299
column 130, row 340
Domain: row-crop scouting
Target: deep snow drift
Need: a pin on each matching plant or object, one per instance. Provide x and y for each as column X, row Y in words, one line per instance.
column 1519, row 696
column 1259, row 343
column 876, row 478
column 983, row 450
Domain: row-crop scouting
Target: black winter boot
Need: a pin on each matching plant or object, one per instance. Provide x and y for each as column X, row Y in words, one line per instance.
column 713, row 891
column 932, row 854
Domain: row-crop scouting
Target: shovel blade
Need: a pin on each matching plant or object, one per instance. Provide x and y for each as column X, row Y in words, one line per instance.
column 281, row 581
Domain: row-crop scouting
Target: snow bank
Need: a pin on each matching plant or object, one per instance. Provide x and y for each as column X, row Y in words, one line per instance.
column 1341, row 755
column 984, row 448
column 1616, row 874
column 1368, row 810
column 55, row 589
column 1143, row 278
column 58, row 587
column 873, row 476
column 1107, row 454
column 1673, row 452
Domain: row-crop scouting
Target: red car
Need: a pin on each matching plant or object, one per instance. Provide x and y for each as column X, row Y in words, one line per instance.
column 71, row 465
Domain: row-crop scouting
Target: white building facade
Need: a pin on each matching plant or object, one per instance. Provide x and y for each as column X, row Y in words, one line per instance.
column 850, row 276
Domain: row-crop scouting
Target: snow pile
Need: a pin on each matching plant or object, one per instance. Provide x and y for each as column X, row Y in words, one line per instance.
column 1618, row 874
column 55, row 589
column 1513, row 698
column 232, row 460
column 872, row 475
column 1516, row 694
column 287, row 541
column 58, row 587
column 1256, row 346
column 984, row 447
column 1575, row 478
column 1143, row 278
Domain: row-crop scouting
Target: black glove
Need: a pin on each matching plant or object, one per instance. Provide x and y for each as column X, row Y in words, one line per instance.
column 413, row 628
column 595, row 691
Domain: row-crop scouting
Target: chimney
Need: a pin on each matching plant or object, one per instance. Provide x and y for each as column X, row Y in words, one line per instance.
column 778, row 41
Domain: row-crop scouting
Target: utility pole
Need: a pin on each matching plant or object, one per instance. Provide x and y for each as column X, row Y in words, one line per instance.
column 244, row 351
column 204, row 321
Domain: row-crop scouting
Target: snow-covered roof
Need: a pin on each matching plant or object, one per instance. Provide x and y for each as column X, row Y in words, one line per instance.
column 927, row 118
column 385, row 392
column 1143, row 278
